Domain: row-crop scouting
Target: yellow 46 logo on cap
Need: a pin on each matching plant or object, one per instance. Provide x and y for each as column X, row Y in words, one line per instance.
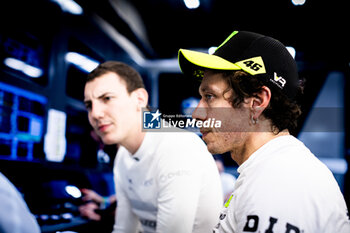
column 253, row 65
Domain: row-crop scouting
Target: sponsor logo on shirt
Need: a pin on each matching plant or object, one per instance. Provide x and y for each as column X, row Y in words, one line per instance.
column 149, row 223
column 174, row 174
column 252, row 225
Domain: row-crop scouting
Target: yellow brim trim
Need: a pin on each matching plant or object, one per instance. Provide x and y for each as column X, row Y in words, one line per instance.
column 253, row 66
column 207, row 60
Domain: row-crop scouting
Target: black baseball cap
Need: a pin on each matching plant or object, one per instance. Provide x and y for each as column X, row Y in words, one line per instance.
column 251, row 52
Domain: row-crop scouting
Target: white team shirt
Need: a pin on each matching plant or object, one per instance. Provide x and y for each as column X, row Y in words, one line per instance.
column 170, row 185
column 283, row 187
column 15, row 216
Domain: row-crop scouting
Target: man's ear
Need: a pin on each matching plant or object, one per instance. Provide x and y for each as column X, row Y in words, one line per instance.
column 141, row 97
column 260, row 102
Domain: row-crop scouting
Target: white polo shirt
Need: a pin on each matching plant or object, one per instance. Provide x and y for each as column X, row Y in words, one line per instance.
column 170, row 185
column 15, row 216
column 283, row 187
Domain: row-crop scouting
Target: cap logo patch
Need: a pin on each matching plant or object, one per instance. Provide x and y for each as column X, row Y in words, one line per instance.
column 279, row 80
column 253, row 65
column 198, row 73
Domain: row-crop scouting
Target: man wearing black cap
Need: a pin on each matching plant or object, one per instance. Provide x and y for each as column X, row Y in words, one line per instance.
column 250, row 84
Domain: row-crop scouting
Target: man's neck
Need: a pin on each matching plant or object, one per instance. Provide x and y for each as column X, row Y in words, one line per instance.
column 253, row 142
column 133, row 143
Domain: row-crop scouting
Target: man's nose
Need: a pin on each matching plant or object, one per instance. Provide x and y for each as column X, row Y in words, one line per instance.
column 200, row 113
column 97, row 111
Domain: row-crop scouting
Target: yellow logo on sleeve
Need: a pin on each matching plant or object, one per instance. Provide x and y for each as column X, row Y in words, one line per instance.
column 228, row 201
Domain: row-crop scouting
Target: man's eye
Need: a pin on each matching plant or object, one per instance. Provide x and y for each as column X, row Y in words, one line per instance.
column 88, row 106
column 106, row 98
column 208, row 97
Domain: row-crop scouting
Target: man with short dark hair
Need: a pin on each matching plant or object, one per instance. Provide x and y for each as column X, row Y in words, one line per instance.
column 250, row 84
column 165, row 181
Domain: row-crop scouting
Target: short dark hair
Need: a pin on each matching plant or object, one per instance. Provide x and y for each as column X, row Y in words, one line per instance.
column 282, row 111
column 129, row 75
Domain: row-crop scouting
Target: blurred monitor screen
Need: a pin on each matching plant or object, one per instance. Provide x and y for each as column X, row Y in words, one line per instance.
column 22, row 120
column 24, row 56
